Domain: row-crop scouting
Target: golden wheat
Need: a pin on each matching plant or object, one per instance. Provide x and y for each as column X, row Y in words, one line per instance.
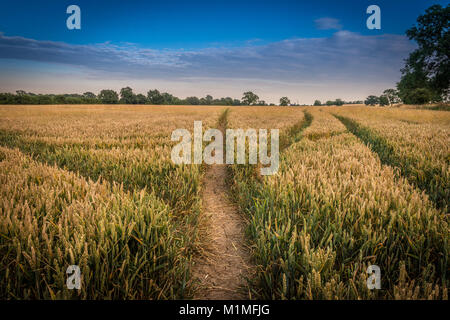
column 95, row 186
column 332, row 210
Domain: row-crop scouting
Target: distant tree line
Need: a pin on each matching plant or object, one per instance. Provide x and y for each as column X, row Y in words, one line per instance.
column 127, row 96
column 108, row 96
column 337, row 102
column 153, row 97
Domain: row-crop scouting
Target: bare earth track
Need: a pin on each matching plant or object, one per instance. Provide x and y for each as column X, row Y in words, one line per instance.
column 225, row 264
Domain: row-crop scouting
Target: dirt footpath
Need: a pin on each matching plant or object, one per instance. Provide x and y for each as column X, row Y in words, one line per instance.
column 225, row 262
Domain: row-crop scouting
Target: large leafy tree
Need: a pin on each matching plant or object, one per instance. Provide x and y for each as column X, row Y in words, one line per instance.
column 429, row 65
column 392, row 96
column 420, row 96
column 169, row 98
column 108, row 96
column 89, row 95
column 372, row 100
column 155, row 97
column 209, row 100
column 284, row 101
column 249, row 98
column 127, row 96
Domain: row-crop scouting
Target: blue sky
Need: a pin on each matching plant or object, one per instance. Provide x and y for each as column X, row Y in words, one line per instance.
column 302, row 49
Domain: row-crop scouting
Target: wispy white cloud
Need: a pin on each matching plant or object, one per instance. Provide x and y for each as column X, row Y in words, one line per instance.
column 328, row 24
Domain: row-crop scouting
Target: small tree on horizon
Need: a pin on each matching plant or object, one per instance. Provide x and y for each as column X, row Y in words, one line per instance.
column 127, row 96
column 154, row 97
column 249, row 98
column 284, row 101
column 372, row 100
column 89, row 95
column 209, row 99
column 108, row 97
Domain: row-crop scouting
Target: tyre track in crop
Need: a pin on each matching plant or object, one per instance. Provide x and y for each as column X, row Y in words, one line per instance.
column 223, row 267
column 294, row 133
column 388, row 156
column 86, row 162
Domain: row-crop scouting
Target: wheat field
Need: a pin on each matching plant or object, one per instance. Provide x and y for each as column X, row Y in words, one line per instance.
column 95, row 186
